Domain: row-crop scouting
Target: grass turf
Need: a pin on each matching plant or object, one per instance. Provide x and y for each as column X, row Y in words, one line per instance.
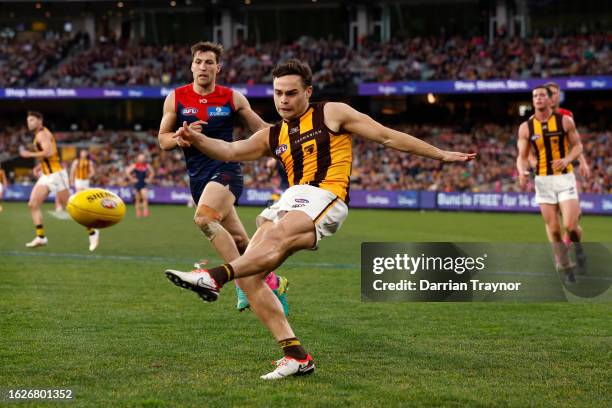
column 110, row 326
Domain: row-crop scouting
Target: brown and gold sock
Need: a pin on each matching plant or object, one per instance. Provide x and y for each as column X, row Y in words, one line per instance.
column 222, row 274
column 293, row 348
column 40, row 231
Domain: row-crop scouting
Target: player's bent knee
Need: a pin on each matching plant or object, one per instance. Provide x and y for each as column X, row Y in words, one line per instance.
column 208, row 220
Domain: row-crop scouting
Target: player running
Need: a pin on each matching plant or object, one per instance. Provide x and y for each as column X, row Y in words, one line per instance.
column 3, row 184
column 313, row 144
column 215, row 185
column 53, row 179
column 556, row 144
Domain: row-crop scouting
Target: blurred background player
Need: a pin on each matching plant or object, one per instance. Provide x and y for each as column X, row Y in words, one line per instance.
column 556, row 143
column 81, row 171
column 53, row 178
column 3, row 185
column 141, row 173
column 215, row 185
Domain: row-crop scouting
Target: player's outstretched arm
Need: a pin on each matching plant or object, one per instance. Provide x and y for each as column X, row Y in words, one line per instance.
column 253, row 148
column 522, row 160
column 167, row 125
column 342, row 116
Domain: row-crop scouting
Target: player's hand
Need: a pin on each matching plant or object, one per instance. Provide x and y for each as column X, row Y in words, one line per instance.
column 559, row 164
column 24, row 153
column 449, row 157
column 197, row 126
column 584, row 170
column 523, row 177
column 186, row 133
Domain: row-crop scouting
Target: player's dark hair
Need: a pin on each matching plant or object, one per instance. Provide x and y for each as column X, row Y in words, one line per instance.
column 552, row 85
column 548, row 91
column 36, row 114
column 205, row 46
column 294, row 66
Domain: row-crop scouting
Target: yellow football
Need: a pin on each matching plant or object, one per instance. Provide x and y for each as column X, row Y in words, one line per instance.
column 96, row 208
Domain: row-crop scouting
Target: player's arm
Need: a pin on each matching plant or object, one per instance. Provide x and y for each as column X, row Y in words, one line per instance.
column 150, row 174
column 251, row 119
column 4, row 178
column 522, row 160
column 574, row 142
column 167, row 125
column 92, row 169
column 253, row 148
column 128, row 171
column 44, row 139
column 341, row 116
column 73, row 167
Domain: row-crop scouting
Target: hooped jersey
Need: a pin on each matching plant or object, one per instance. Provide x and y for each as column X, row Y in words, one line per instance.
column 550, row 142
column 217, row 109
column 313, row 154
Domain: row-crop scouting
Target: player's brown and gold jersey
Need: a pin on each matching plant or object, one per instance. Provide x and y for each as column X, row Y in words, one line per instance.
column 550, row 142
column 52, row 163
column 82, row 169
column 313, row 154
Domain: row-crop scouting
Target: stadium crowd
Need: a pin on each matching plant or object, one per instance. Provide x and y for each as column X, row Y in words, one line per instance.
column 335, row 64
column 374, row 167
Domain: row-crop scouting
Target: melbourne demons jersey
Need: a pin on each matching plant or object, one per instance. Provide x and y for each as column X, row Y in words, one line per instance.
column 312, row 154
column 216, row 108
column 82, row 169
column 566, row 112
column 550, row 142
column 52, row 163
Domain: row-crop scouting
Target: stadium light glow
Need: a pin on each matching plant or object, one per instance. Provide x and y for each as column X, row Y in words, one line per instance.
column 120, row 4
column 173, row 3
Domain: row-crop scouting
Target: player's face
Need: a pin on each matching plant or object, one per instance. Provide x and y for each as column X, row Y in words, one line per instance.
column 205, row 68
column 540, row 99
column 83, row 154
column 140, row 158
column 290, row 96
column 554, row 99
column 33, row 123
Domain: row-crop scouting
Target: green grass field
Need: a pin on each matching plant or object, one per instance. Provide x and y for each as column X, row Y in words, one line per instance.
column 112, row 328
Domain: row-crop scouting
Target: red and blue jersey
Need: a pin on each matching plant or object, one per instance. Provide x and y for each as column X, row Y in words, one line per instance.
column 217, row 109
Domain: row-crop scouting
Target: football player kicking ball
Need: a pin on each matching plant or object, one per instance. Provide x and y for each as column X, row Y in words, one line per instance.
column 215, row 184
column 313, row 144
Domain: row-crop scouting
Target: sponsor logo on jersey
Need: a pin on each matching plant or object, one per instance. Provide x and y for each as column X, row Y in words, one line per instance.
column 189, row 111
column 281, row 149
column 535, row 137
column 218, row 111
column 203, row 100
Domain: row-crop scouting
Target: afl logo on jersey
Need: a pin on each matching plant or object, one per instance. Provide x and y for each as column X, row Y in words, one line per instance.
column 189, row 111
column 280, row 149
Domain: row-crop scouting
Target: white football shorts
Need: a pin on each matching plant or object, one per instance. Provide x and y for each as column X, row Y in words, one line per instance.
column 57, row 181
column 554, row 189
column 327, row 211
column 81, row 184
